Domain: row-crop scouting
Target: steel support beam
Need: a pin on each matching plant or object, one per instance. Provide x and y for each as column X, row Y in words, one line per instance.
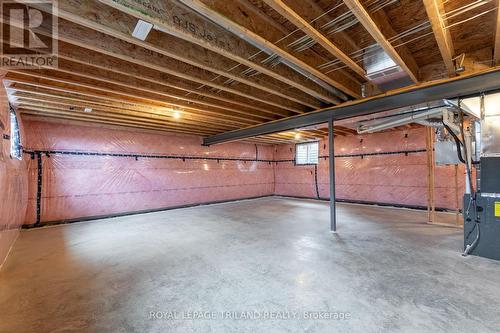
column 331, row 156
column 461, row 86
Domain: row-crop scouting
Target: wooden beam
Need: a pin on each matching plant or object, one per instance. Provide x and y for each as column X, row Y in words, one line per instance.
column 262, row 43
column 120, row 92
column 312, row 11
column 33, row 80
column 99, row 120
column 118, row 118
column 262, row 22
column 435, row 10
column 188, row 90
column 130, row 66
column 46, row 107
column 496, row 54
column 121, row 79
column 365, row 19
column 118, row 19
column 108, row 44
column 160, row 118
column 239, row 52
column 302, row 24
column 17, row 90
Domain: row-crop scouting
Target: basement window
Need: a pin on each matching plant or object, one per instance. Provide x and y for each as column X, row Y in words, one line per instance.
column 16, row 150
column 307, row 153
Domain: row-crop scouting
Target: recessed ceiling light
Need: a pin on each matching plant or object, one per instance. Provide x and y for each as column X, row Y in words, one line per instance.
column 142, row 29
column 87, row 110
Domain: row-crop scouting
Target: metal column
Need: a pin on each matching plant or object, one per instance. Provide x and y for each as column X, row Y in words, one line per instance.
column 331, row 154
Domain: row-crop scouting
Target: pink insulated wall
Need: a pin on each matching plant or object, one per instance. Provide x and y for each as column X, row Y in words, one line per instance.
column 13, row 184
column 386, row 168
column 76, row 186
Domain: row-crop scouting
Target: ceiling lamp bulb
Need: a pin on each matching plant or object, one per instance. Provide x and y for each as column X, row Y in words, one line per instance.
column 297, row 136
column 177, row 115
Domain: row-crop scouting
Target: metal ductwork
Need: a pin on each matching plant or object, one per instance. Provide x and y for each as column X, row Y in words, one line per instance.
column 412, row 118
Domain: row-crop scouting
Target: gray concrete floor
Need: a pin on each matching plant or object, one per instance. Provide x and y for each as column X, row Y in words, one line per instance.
column 386, row 270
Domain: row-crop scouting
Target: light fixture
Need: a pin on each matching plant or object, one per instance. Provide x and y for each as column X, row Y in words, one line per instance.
column 176, row 114
column 297, row 136
column 142, row 29
column 87, row 109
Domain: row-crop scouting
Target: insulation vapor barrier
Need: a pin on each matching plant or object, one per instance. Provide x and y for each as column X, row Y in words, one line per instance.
column 90, row 171
column 385, row 168
column 13, row 183
column 172, row 170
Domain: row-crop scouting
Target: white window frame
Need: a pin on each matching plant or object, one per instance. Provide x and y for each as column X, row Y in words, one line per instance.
column 309, row 160
column 16, row 149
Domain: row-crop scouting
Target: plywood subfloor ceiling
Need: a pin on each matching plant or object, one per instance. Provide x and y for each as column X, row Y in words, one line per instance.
column 210, row 66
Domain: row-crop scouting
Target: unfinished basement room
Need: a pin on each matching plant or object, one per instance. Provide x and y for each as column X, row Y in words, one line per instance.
column 250, row 166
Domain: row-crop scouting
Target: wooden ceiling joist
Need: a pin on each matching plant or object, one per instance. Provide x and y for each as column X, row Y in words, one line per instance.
column 435, row 10
column 366, row 20
column 227, row 66
column 187, row 47
column 121, row 92
column 118, row 115
column 302, row 24
column 105, row 44
column 99, row 120
column 108, row 117
column 264, row 44
column 146, row 116
column 74, row 89
column 187, row 90
column 79, row 71
column 17, row 90
column 244, row 44
column 268, row 24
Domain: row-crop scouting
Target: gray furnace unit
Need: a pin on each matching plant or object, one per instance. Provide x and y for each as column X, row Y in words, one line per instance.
column 482, row 215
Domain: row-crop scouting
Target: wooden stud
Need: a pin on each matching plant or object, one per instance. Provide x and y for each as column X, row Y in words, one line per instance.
column 431, row 208
column 496, row 45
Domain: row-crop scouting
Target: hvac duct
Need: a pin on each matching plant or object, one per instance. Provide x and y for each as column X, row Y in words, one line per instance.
column 429, row 114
